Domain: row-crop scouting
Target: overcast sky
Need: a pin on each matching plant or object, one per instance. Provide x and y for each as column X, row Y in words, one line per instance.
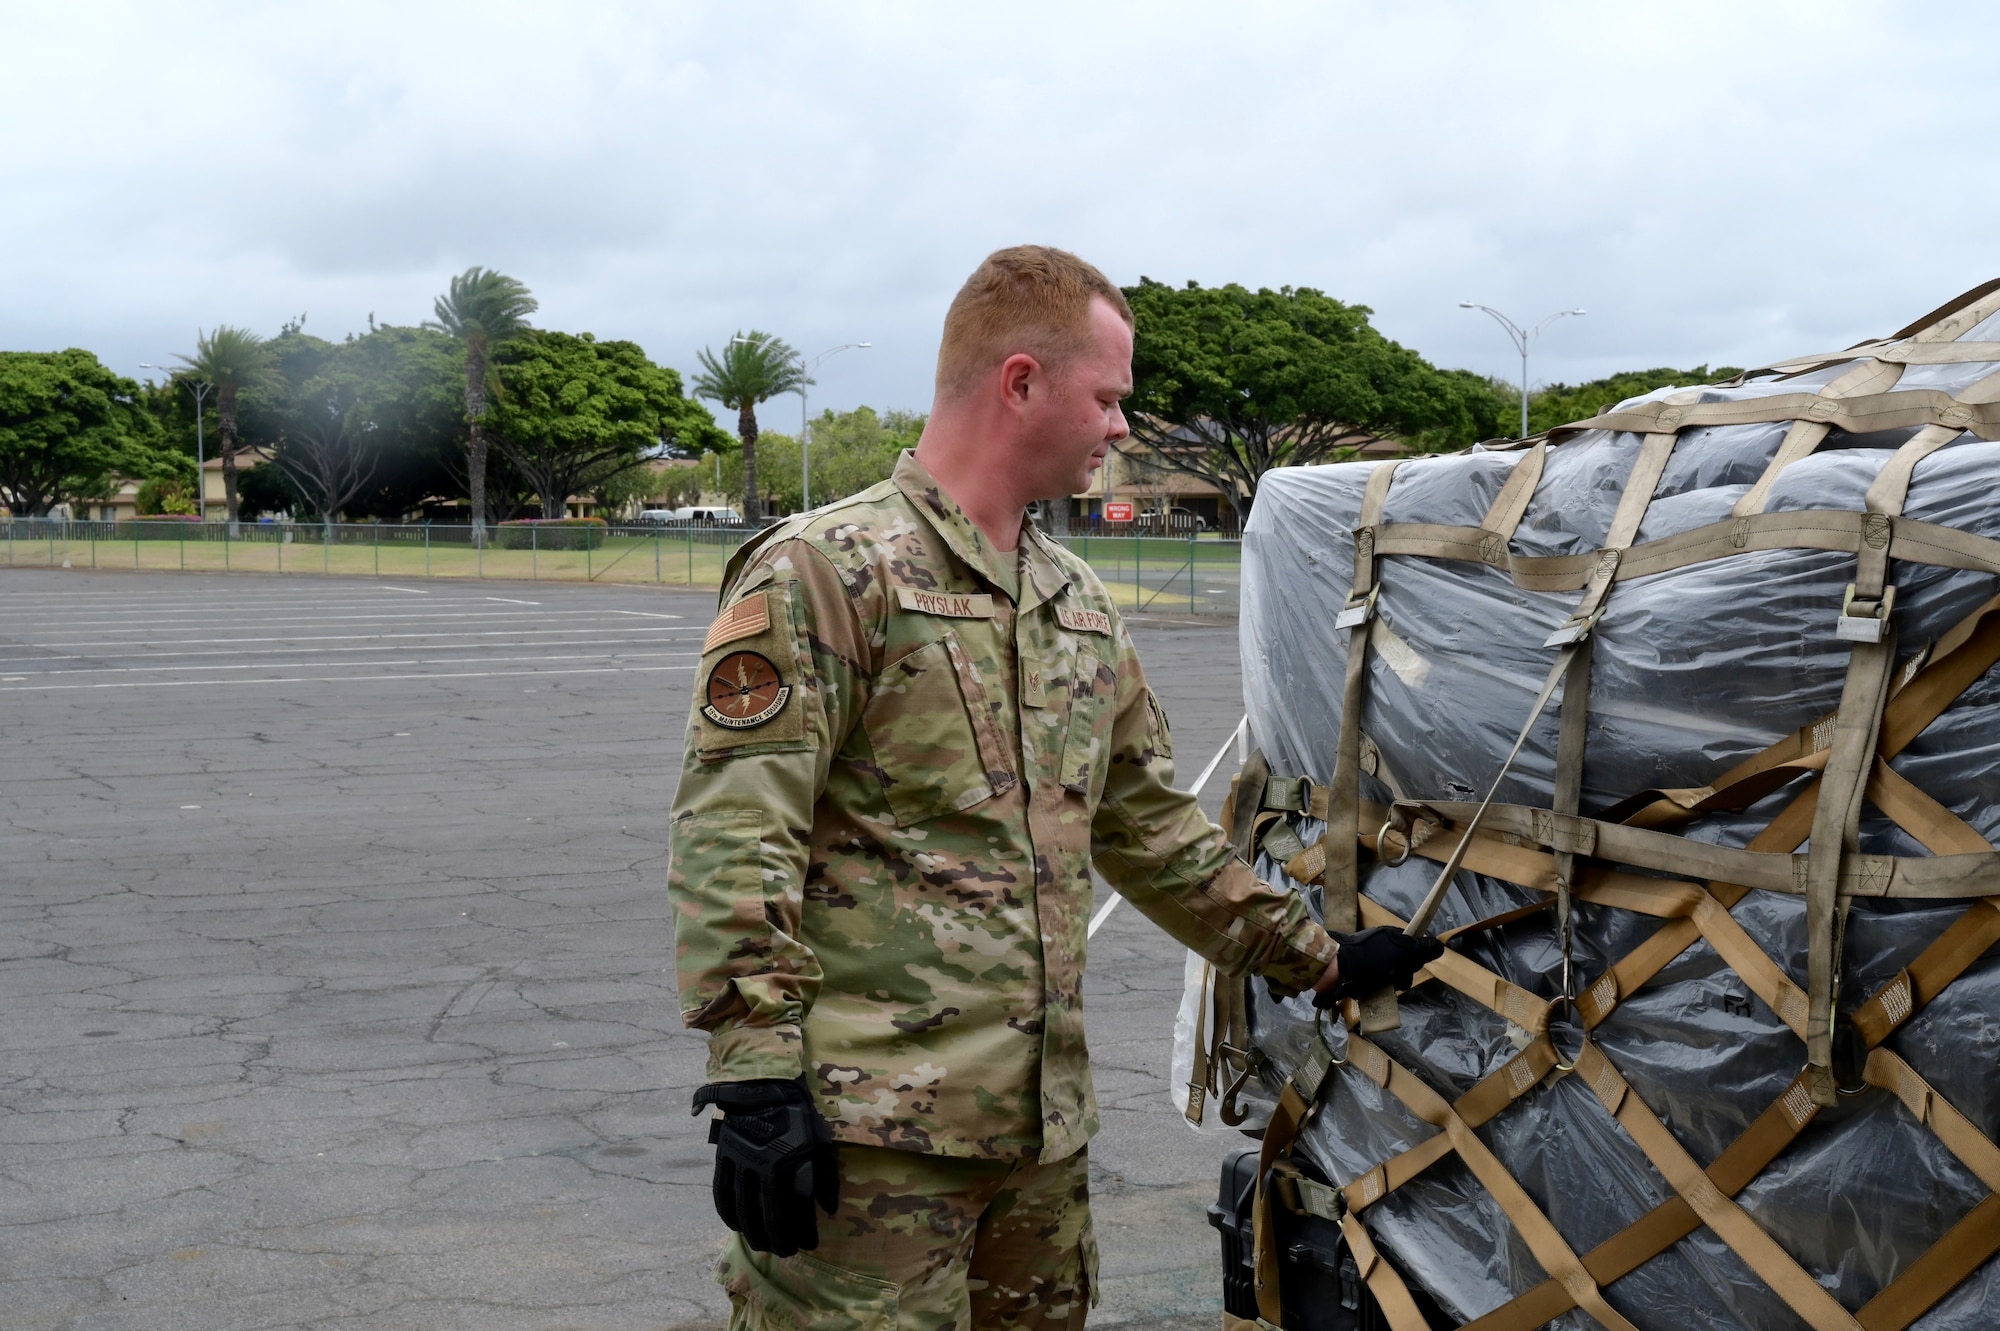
column 1725, row 183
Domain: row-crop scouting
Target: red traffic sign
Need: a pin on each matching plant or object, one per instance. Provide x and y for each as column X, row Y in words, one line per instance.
column 1117, row 512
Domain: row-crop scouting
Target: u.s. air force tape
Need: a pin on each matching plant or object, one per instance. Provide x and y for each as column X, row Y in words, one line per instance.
column 744, row 690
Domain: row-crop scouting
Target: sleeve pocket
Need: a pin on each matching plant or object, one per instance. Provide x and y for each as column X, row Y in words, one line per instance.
column 1087, row 743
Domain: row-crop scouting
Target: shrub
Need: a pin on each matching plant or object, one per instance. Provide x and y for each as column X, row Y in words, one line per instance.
column 165, row 495
column 160, row 527
column 553, row 534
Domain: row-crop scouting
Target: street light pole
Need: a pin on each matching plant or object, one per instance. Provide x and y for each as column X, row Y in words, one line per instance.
column 806, row 367
column 1521, row 337
column 201, row 389
column 805, row 424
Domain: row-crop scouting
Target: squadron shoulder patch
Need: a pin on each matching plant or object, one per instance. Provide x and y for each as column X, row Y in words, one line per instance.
column 744, row 690
column 750, row 615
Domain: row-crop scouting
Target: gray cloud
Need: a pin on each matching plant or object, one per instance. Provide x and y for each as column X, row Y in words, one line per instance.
column 1715, row 182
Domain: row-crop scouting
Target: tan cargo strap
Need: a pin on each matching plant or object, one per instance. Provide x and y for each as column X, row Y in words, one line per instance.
column 1342, row 874
column 1935, row 331
column 1800, row 529
column 1842, row 760
column 1870, row 376
column 1898, row 410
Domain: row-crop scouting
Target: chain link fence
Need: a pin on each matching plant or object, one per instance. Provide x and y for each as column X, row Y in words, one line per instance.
column 1173, row 575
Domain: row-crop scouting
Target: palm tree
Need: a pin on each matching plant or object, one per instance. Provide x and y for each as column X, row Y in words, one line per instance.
column 482, row 310
column 232, row 359
column 755, row 367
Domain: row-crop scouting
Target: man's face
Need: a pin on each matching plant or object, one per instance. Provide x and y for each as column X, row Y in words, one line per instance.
column 1074, row 425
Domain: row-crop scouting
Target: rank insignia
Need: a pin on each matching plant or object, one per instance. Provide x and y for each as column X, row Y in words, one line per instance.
column 744, row 690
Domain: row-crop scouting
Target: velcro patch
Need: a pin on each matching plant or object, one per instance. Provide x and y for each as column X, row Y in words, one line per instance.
column 956, row 605
column 1078, row 620
column 749, row 616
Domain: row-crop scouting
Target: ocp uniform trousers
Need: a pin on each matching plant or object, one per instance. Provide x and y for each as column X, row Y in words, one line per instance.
column 930, row 1243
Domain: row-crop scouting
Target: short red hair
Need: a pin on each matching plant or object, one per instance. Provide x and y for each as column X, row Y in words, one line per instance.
column 1027, row 298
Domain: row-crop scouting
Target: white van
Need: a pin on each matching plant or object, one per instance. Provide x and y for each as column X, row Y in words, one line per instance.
column 707, row 517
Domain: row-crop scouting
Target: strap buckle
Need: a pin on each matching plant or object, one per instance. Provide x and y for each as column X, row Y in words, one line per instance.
column 1360, row 608
column 1864, row 621
column 1576, row 630
column 1414, row 821
column 1287, row 794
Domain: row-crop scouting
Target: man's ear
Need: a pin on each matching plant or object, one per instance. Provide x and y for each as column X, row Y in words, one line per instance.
column 1018, row 373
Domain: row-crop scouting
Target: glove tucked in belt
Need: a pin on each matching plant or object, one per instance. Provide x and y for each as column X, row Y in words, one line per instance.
column 774, row 1158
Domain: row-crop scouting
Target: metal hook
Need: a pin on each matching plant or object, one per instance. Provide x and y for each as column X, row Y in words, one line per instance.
column 1382, row 839
column 1319, row 1033
column 1564, row 1000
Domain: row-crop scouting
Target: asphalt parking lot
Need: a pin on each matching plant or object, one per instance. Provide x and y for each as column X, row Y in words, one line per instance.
column 337, row 973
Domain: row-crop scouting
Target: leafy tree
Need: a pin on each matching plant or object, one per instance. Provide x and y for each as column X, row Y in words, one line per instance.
column 576, row 412
column 483, row 309
column 1560, row 404
column 412, row 391
column 68, row 427
column 234, row 360
column 327, row 442
column 851, row 451
column 1229, row 383
column 754, row 368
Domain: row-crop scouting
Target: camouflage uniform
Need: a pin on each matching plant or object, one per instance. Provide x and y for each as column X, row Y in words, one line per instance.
column 907, row 750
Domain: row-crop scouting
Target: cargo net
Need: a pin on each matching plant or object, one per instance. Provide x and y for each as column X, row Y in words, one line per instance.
column 1629, row 858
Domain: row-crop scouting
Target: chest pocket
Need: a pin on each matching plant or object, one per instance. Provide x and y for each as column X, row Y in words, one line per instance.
column 935, row 747
column 1087, row 743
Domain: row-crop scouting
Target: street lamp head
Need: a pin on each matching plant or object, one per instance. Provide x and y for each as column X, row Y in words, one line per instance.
column 1579, row 311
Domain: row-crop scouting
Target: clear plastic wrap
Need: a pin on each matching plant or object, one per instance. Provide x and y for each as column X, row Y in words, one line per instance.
column 1694, row 669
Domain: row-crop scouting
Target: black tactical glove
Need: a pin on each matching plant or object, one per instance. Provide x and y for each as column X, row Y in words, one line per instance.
column 774, row 1157
column 1383, row 957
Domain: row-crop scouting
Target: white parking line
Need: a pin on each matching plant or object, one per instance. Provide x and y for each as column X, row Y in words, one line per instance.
column 337, row 637
column 359, row 665
column 341, row 679
column 18, row 661
column 129, row 621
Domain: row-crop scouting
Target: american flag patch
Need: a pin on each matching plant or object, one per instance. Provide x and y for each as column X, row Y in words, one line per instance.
column 748, row 616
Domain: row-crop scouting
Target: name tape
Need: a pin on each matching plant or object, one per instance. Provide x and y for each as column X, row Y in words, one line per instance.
column 956, row 605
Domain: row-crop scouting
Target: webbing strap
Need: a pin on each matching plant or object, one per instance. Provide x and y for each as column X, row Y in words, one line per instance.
column 1800, row 529
column 1543, row 1239
column 1279, row 1134
column 1343, row 872
column 1897, row 353
column 1383, row 1281
column 1511, row 504
column 1835, row 837
column 1897, row 410
column 1759, row 1251
column 1870, row 376
column 1948, row 957
column 1963, row 1250
column 1201, row 1074
column 1669, row 1222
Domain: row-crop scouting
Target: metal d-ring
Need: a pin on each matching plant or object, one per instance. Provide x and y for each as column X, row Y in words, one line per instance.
column 1566, row 1001
column 1382, row 837
column 1319, row 1033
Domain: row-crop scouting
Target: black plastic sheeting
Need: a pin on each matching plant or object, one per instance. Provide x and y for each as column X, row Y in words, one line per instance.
column 1694, row 670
